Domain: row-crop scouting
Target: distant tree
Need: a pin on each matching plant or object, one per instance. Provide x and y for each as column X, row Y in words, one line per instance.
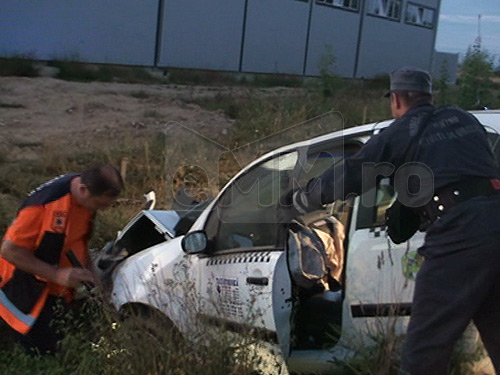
column 475, row 79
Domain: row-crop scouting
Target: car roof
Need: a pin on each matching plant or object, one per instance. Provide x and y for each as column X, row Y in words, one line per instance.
column 489, row 118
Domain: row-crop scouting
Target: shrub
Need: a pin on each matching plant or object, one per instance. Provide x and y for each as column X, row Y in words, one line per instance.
column 17, row 65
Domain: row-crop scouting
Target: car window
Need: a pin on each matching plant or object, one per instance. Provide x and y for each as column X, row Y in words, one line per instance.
column 245, row 216
column 372, row 206
column 321, row 157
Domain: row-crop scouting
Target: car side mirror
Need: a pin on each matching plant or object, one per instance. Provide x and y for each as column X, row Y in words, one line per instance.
column 195, row 242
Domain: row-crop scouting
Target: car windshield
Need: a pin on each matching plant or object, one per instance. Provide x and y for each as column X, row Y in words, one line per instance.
column 246, row 213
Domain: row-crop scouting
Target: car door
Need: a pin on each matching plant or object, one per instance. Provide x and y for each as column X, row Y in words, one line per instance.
column 243, row 278
column 380, row 273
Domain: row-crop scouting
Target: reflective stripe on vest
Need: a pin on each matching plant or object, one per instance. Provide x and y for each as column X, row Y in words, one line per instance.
column 15, row 318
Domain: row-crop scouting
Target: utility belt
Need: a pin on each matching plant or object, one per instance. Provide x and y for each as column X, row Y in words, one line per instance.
column 451, row 195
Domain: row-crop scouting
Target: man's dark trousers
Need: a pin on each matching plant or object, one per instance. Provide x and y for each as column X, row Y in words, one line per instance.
column 451, row 290
column 46, row 331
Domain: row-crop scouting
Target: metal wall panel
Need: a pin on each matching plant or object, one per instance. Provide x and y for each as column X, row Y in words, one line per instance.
column 261, row 36
column 275, row 36
column 335, row 31
column 387, row 45
column 111, row 31
column 202, row 34
column 445, row 64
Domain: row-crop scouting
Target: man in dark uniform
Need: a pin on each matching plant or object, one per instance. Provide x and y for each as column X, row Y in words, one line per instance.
column 456, row 197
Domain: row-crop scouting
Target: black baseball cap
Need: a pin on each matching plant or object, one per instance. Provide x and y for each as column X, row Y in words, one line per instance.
column 410, row 78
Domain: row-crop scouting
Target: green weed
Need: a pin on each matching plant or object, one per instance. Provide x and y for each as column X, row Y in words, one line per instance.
column 277, row 80
column 77, row 71
column 199, row 77
column 381, row 356
column 151, row 113
column 139, row 340
column 11, row 105
column 141, row 94
column 26, row 143
column 17, row 65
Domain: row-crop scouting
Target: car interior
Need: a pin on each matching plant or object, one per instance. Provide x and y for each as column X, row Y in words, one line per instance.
column 317, row 312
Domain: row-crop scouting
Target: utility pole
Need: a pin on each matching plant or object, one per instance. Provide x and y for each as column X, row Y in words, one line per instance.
column 478, row 39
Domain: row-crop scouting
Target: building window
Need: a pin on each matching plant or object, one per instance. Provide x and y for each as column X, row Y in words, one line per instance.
column 419, row 15
column 344, row 4
column 390, row 9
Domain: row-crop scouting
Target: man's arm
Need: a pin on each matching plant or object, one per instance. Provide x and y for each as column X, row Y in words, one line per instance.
column 25, row 260
column 353, row 175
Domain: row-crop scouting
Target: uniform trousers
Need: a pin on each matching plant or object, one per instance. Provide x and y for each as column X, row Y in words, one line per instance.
column 45, row 333
column 452, row 290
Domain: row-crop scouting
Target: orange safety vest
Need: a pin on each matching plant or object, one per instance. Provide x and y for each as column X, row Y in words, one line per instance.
column 49, row 223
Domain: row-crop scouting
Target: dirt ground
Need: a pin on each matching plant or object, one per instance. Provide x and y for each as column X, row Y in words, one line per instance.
column 33, row 110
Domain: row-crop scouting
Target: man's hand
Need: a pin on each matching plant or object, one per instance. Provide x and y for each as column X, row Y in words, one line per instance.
column 72, row 277
column 292, row 204
column 25, row 260
column 301, row 202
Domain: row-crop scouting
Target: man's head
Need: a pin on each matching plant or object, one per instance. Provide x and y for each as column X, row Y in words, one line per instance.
column 97, row 188
column 409, row 86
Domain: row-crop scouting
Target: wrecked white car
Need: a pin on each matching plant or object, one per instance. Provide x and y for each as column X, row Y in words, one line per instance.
column 237, row 267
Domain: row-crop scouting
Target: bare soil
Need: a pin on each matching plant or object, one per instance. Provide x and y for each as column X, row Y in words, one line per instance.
column 34, row 110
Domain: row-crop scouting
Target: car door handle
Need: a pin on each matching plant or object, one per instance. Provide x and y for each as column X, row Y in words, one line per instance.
column 258, row 280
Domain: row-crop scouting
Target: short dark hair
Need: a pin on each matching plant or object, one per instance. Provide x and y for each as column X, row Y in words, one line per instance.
column 414, row 97
column 103, row 180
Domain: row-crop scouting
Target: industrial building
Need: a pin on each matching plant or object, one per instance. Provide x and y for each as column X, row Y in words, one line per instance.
column 363, row 38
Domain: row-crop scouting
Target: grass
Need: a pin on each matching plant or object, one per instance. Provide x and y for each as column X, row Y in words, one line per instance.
column 100, row 341
column 257, row 116
column 17, row 65
column 11, row 105
column 382, row 355
column 73, row 70
column 76, row 71
column 25, row 143
column 141, row 94
column 151, row 113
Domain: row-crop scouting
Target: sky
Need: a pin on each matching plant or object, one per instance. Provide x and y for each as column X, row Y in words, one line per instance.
column 458, row 26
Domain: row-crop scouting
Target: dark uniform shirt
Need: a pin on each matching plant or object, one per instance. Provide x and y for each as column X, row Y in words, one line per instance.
column 453, row 146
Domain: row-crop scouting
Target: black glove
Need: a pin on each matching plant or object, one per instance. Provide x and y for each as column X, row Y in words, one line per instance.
column 293, row 204
column 301, row 202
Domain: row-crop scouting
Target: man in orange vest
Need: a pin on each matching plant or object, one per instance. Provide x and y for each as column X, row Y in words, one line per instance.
column 35, row 271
